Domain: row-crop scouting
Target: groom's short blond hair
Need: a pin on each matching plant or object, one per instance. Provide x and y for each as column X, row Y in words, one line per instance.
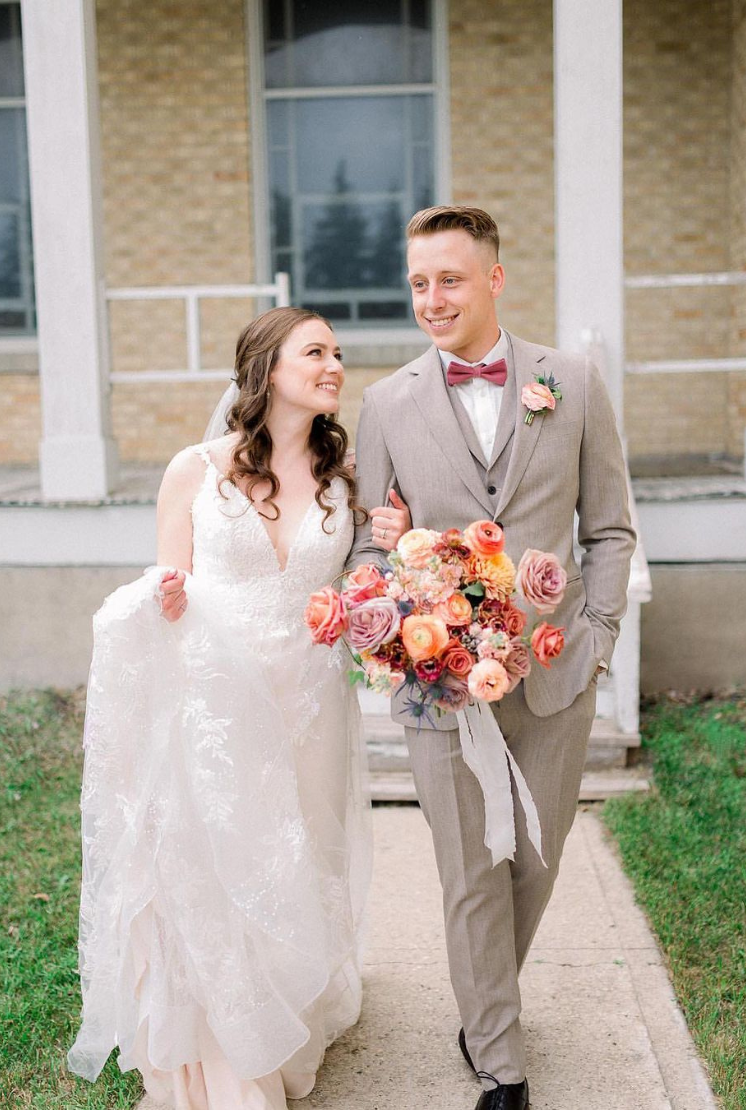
column 456, row 217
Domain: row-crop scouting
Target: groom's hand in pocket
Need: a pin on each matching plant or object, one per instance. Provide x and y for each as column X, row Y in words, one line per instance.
column 390, row 522
column 173, row 596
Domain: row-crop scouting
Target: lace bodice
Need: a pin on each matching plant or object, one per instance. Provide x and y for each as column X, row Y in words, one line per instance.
column 231, row 546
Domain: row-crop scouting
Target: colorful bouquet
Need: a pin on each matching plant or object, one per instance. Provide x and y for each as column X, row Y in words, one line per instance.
column 443, row 618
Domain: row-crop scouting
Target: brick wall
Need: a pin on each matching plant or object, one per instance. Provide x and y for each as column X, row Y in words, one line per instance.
column 178, row 195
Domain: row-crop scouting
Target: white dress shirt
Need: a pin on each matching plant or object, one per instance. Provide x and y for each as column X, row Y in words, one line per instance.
column 480, row 398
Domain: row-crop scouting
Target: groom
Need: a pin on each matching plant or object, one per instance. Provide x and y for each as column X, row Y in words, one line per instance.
column 448, row 432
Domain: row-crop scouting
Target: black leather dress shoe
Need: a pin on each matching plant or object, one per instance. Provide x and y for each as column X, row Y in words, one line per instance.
column 506, row 1096
column 465, row 1050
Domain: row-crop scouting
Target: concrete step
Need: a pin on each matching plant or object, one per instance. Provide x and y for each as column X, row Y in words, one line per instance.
column 596, row 786
column 387, row 750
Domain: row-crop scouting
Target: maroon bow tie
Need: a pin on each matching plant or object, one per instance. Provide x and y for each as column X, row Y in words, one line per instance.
column 495, row 372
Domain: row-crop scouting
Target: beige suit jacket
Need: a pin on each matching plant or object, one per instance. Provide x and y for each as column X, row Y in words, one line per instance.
column 411, row 436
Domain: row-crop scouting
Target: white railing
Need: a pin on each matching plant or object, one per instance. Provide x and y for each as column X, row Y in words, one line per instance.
column 722, row 278
column 191, row 295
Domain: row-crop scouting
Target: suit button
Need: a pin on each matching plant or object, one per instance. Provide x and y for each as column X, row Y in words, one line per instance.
column 492, row 490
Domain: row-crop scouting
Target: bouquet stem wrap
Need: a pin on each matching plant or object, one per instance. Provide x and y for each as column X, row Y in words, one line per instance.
column 490, row 760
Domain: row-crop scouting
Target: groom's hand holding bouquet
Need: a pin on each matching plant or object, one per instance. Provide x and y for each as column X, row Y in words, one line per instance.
column 443, row 618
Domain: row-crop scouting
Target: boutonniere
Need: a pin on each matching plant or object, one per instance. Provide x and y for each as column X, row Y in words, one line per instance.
column 540, row 396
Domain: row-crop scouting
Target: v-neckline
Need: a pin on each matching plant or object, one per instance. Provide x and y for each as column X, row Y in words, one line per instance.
column 258, row 517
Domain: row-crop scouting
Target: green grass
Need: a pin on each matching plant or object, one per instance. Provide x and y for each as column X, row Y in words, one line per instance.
column 684, row 846
column 40, row 763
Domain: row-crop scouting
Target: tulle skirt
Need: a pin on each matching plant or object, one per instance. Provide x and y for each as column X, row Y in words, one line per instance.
column 226, row 851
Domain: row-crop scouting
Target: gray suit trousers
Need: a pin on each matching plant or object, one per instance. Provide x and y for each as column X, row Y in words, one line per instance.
column 491, row 914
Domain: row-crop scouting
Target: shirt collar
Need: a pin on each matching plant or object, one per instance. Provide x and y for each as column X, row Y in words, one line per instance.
column 500, row 350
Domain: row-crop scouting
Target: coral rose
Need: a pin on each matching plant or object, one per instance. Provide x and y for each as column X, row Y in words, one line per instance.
column 488, row 680
column 325, row 616
column 416, row 546
column 496, row 572
column 457, row 659
column 372, row 623
column 541, row 580
column 455, row 610
column 517, row 664
column 513, row 620
column 547, row 642
column 537, row 397
column 484, row 537
column 363, row 583
column 424, row 636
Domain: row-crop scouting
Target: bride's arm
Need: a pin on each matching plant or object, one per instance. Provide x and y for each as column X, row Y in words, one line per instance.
column 174, row 526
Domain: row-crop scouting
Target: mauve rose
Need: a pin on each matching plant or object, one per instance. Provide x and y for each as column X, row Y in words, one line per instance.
column 457, row 659
column 537, row 397
column 454, row 693
column 488, row 680
column 547, row 642
column 517, row 664
column 372, row 623
column 325, row 616
column 541, row 580
column 484, row 537
column 363, row 583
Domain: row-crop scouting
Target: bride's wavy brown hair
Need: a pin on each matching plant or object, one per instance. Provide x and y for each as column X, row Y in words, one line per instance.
column 257, row 352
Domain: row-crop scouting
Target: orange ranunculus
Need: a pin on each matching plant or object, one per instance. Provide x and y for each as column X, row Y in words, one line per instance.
column 416, row 546
column 456, row 609
column 363, row 583
column 547, row 642
column 484, row 537
column 424, row 636
column 457, row 659
column 325, row 616
column 496, row 572
column 488, row 680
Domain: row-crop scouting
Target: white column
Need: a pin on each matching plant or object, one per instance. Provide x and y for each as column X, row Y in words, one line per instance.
column 588, row 181
column 77, row 452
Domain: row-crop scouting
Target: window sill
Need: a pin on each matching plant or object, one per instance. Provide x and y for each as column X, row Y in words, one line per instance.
column 19, row 354
column 380, row 347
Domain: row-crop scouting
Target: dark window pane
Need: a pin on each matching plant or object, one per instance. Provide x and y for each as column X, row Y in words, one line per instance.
column 333, row 310
column 11, row 321
column 11, row 60
column 383, row 310
column 361, row 140
column 350, row 43
column 13, row 168
column 10, row 257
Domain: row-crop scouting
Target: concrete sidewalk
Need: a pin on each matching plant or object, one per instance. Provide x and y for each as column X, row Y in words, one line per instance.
column 603, row 1029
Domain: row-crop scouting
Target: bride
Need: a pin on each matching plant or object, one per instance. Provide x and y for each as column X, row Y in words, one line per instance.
column 226, row 849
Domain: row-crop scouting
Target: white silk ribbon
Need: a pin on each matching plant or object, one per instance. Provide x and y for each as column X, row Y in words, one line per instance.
column 489, row 758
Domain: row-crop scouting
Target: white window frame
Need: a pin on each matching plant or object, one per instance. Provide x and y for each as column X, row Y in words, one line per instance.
column 376, row 338
column 26, row 341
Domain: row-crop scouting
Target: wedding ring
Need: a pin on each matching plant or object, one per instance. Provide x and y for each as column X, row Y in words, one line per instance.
column 383, row 534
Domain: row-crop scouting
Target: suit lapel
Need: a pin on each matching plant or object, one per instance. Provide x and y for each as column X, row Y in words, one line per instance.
column 528, row 361
column 428, row 390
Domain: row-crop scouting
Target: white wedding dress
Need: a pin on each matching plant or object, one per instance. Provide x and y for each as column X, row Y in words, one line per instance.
column 225, row 826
